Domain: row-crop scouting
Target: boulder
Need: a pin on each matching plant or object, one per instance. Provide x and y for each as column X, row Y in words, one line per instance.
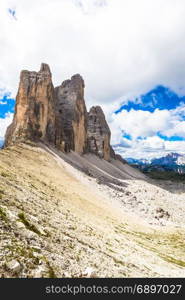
column 13, row 266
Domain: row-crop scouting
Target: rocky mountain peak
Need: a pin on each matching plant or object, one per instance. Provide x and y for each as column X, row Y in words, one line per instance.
column 58, row 115
column 45, row 69
column 77, row 81
column 71, row 132
column 28, row 78
column 34, row 116
column 99, row 134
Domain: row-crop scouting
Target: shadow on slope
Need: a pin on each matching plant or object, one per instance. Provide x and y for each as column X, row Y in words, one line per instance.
column 111, row 173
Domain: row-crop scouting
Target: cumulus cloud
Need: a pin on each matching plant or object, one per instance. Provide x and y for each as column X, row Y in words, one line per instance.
column 144, row 131
column 4, row 92
column 141, row 123
column 151, row 147
column 4, row 123
column 123, row 48
column 3, row 102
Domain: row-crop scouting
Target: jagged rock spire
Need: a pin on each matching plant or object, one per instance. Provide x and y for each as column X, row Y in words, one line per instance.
column 58, row 116
column 34, row 116
column 71, row 115
column 45, row 68
column 99, row 134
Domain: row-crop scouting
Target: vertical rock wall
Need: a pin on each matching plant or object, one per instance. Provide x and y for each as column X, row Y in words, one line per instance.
column 99, row 134
column 34, row 116
column 71, row 115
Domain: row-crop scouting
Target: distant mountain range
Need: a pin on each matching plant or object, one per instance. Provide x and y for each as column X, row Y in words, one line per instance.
column 170, row 159
column 171, row 162
column 134, row 161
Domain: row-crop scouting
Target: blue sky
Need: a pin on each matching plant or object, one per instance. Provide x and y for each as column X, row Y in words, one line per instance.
column 158, row 98
column 7, row 105
column 124, row 49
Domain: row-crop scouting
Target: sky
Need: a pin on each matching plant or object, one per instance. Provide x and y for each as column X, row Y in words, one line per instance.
column 129, row 52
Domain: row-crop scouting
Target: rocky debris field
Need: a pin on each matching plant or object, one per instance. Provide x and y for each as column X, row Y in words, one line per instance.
column 57, row 221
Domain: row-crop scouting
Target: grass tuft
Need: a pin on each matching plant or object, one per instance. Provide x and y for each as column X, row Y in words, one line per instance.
column 27, row 224
column 3, row 215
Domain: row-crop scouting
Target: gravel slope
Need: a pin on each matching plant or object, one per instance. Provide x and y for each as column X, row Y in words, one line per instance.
column 73, row 216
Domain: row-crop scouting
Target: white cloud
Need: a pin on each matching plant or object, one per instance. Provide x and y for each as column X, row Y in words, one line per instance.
column 90, row 6
column 4, row 123
column 3, row 102
column 122, row 49
column 143, row 126
column 151, row 147
column 177, row 130
column 4, row 92
column 141, row 123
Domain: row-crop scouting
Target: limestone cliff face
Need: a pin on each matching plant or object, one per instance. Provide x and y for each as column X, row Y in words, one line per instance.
column 58, row 116
column 99, row 134
column 71, row 115
column 34, row 116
